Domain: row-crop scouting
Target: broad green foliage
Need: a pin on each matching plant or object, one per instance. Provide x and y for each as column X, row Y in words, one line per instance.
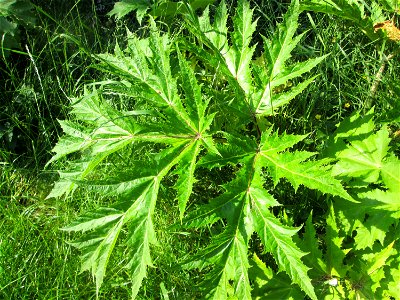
column 364, row 14
column 367, row 268
column 165, row 8
column 188, row 123
column 358, row 256
column 365, row 160
column 12, row 14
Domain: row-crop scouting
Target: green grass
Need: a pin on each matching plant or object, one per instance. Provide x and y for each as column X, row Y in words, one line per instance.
column 36, row 262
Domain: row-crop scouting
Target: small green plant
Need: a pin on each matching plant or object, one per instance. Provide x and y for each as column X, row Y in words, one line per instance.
column 12, row 14
column 207, row 103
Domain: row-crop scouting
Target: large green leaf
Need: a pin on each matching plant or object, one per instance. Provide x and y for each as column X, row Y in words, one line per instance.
column 245, row 196
column 178, row 125
column 232, row 55
column 372, row 173
column 364, row 158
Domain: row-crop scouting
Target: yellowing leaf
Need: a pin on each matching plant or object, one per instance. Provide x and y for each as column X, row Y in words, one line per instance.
column 392, row 32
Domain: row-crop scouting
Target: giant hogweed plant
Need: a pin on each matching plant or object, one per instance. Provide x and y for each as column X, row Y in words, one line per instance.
column 190, row 125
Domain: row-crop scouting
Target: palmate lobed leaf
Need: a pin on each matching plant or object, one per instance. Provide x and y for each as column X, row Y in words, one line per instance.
column 100, row 131
column 245, row 207
column 364, row 158
column 372, row 218
column 294, row 165
column 233, row 57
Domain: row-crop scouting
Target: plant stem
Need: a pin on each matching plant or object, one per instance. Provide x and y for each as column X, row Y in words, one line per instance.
column 377, row 80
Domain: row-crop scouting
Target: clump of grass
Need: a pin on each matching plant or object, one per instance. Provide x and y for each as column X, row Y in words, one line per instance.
column 35, row 260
